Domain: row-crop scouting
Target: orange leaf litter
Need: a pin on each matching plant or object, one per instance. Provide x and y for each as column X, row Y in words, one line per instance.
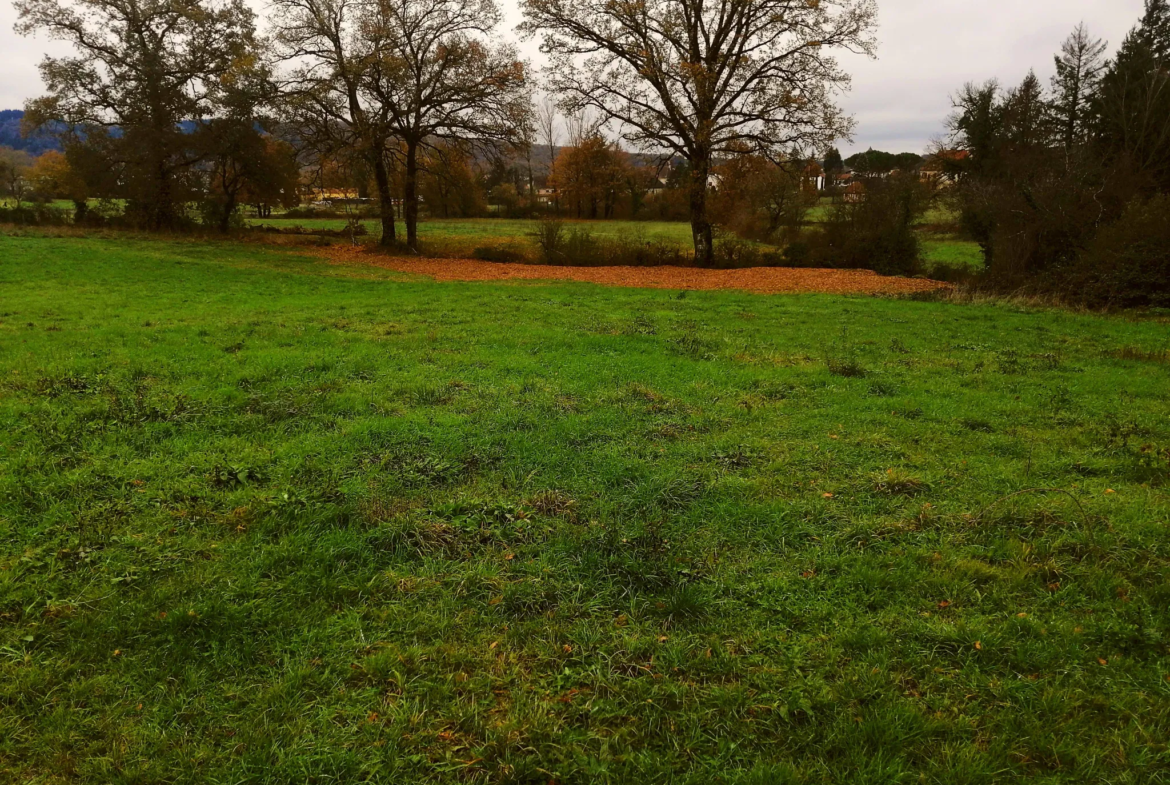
column 760, row 280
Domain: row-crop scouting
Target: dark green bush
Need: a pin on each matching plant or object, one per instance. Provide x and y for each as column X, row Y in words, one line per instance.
column 873, row 231
column 1127, row 264
column 578, row 247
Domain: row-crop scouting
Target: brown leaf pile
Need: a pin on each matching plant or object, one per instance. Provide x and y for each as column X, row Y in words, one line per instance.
column 761, row 280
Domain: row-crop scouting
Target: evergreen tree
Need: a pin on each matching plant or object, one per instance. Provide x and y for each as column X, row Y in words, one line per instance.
column 1132, row 106
column 834, row 164
column 1154, row 30
column 1078, row 72
column 1025, row 115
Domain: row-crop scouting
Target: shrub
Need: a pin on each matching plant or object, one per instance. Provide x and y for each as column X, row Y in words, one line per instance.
column 495, row 253
column 579, row 247
column 1127, row 264
column 876, row 231
column 33, row 214
column 732, row 253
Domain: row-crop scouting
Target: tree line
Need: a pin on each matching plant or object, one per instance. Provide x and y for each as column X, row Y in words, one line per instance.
column 167, row 103
column 1066, row 187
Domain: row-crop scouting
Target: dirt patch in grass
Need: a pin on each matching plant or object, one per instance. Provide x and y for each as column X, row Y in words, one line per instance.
column 763, row 280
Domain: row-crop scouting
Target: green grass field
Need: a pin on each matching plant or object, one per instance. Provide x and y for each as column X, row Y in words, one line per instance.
column 489, row 231
column 952, row 252
column 265, row 520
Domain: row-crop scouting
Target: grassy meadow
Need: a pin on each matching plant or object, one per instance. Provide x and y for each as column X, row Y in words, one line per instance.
column 467, row 236
column 267, row 520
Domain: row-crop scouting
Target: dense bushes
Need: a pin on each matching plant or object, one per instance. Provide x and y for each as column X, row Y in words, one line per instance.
column 1066, row 189
column 578, row 247
column 874, row 230
column 1128, row 262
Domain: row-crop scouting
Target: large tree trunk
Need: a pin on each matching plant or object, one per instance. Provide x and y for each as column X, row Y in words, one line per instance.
column 410, row 196
column 385, row 198
column 225, row 218
column 700, row 224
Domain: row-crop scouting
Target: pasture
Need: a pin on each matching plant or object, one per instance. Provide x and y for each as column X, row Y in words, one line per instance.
column 268, row 520
column 467, row 236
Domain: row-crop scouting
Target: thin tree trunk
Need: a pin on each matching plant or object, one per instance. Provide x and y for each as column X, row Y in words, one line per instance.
column 410, row 195
column 385, row 198
column 700, row 224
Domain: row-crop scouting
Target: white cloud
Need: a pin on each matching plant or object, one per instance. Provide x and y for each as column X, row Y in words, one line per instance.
column 928, row 49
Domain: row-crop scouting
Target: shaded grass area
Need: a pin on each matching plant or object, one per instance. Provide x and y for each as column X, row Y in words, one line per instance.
column 951, row 251
column 469, row 234
column 263, row 520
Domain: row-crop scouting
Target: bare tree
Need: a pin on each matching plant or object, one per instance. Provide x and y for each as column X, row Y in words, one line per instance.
column 699, row 78
column 437, row 75
column 141, row 67
column 546, row 127
column 326, row 93
column 1078, row 72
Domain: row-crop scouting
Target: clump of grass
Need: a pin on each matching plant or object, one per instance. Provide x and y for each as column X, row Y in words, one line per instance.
column 1139, row 354
column 848, row 367
column 896, row 482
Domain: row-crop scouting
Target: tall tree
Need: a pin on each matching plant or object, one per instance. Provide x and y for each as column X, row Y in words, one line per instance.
column 701, row 79
column 590, row 176
column 1154, row 30
column 1132, row 106
column 241, row 160
column 977, row 125
column 141, row 69
column 1078, row 72
column 326, row 95
column 437, row 74
column 1026, row 115
column 546, row 125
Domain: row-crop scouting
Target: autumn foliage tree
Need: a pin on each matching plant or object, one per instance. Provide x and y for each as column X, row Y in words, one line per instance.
column 447, row 182
column 590, row 177
column 52, row 177
column 701, row 80
column 140, row 70
column 437, row 74
column 758, row 198
column 326, row 96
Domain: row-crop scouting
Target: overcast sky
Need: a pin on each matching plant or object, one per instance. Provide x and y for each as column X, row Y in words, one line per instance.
column 928, row 48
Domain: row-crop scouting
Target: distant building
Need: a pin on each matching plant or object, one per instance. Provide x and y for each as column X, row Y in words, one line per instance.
column 814, row 176
column 854, row 192
column 945, row 167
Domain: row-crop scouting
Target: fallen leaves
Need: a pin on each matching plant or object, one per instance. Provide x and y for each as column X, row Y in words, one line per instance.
column 766, row 280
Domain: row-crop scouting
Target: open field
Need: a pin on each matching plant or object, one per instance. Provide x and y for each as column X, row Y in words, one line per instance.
column 464, row 236
column 268, row 520
column 489, row 231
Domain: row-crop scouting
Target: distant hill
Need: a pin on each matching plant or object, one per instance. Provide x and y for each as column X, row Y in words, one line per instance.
column 10, row 135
